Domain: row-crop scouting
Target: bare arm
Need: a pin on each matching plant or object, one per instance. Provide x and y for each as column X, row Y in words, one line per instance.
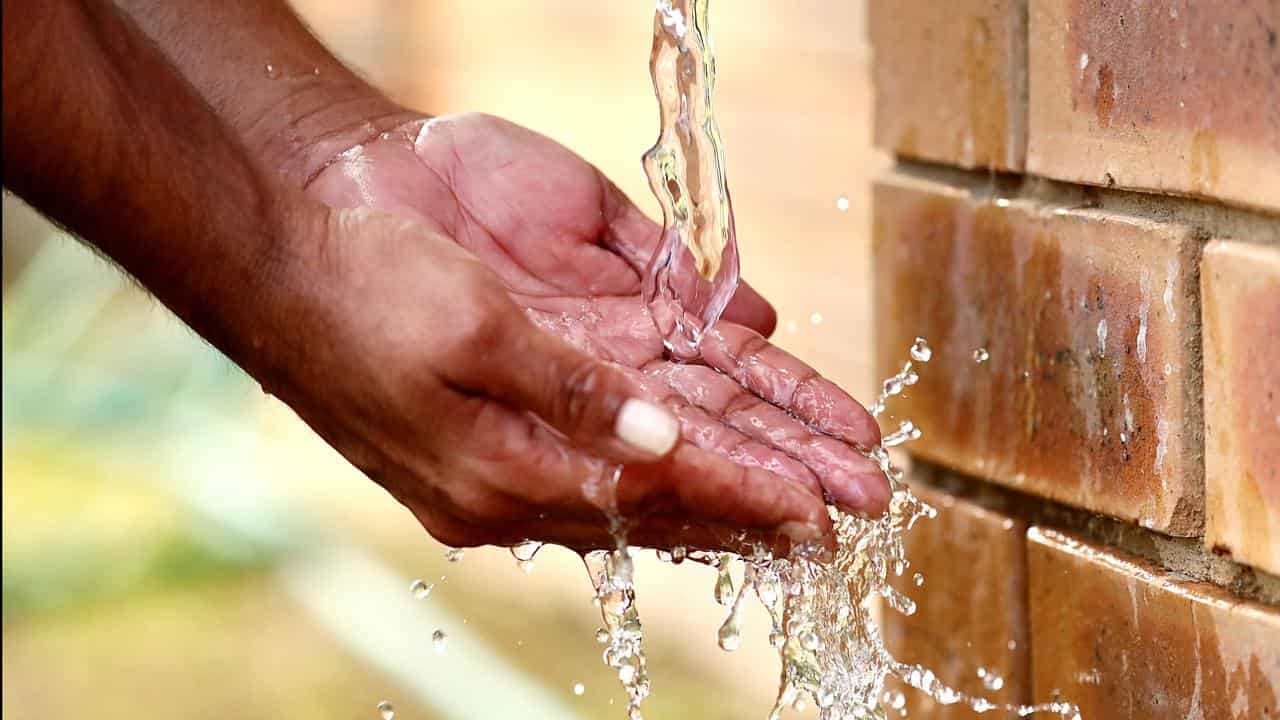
column 269, row 79
column 156, row 133
column 106, row 138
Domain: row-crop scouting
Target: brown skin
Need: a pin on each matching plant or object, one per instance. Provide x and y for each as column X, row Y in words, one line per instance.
column 413, row 339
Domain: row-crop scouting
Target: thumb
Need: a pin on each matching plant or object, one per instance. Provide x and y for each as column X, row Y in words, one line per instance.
column 593, row 403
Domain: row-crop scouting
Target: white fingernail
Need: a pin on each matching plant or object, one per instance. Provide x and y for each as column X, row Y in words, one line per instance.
column 647, row 427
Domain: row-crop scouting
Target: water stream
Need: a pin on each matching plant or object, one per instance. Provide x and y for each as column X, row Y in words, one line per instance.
column 694, row 270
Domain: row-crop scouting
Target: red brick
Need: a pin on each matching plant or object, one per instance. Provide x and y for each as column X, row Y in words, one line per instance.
column 1241, row 306
column 1090, row 394
column 1121, row 638
column 1177, row 97
column 950, row 80
column 971, row 609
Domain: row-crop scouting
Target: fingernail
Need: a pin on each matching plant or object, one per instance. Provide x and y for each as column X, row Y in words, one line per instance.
column 647, row 427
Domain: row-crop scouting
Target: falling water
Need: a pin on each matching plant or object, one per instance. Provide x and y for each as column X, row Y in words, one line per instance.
column 694, row 269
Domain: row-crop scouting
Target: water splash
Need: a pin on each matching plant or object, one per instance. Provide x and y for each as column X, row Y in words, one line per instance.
column 694, row 270
column 827, row 640
column 612, row 575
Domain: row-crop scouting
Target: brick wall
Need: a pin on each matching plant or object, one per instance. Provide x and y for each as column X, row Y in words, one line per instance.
column 1084, row 222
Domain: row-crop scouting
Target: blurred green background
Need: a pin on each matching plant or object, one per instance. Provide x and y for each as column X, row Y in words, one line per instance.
column 176, row 542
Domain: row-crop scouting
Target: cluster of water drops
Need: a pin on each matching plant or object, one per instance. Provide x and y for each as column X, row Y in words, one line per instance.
column 612, row 573
column 819, row 604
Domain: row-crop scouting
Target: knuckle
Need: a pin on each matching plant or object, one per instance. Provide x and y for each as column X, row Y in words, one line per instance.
column 579, row 387
column 478, row 335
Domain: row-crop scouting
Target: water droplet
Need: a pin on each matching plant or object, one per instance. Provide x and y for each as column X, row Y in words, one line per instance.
column 777, row 638
column 678, row 554
column 440, row 640
column 981, row 355
column 815, row 319
column 724, row 581
column 602, row 636
column 990, row 679
column 579, row 688
column 421, row 589
column 315, row 71
column 526, row 566
column 918, row 579
column 1084, row 60
column 825, row 697
column 842, row 203
column 386, row 710
column 1007, row 523
column 729, row 637
column 272, row 72
column 454, row 554
column 920, row 350
column 1012, row 645
column 906, row 431
column 895, row 699
column 809, row 640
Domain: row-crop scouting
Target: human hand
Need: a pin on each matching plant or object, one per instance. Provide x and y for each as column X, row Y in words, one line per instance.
column 570, row 249
column 392, row 341
column 408, row 355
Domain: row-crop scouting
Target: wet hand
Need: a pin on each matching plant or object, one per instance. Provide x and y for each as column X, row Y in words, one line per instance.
column 409, row 356
column 569, row 249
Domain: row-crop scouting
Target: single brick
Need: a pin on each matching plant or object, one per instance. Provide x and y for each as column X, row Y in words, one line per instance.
column 950, row 80
column 1241, row 308
column 1176, row 97
column 1122, row 638
column 1065, row 347
column 971, row 610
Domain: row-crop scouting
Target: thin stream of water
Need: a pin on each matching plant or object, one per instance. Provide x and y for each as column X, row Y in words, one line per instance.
column 694, row 269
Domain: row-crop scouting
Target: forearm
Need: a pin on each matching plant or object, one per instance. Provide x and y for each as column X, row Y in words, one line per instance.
column 104, row 137
column 292, row 103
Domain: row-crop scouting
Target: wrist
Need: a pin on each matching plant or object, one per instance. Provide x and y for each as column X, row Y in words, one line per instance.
column 308, row 120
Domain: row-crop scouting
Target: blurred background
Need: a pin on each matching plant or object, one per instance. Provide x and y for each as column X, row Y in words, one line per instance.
column 174, row 542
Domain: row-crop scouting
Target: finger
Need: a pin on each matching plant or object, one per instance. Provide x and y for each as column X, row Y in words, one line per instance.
column 852, row 480
column 514, row 455
column 706, row 487
column 749, row 309
column 785, row 381
column 709, row 431
column 593, row 403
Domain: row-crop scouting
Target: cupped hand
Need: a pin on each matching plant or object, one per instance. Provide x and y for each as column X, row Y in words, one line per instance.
column 506, row 218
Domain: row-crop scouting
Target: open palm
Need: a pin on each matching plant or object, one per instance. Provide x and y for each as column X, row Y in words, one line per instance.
column 571, row 249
